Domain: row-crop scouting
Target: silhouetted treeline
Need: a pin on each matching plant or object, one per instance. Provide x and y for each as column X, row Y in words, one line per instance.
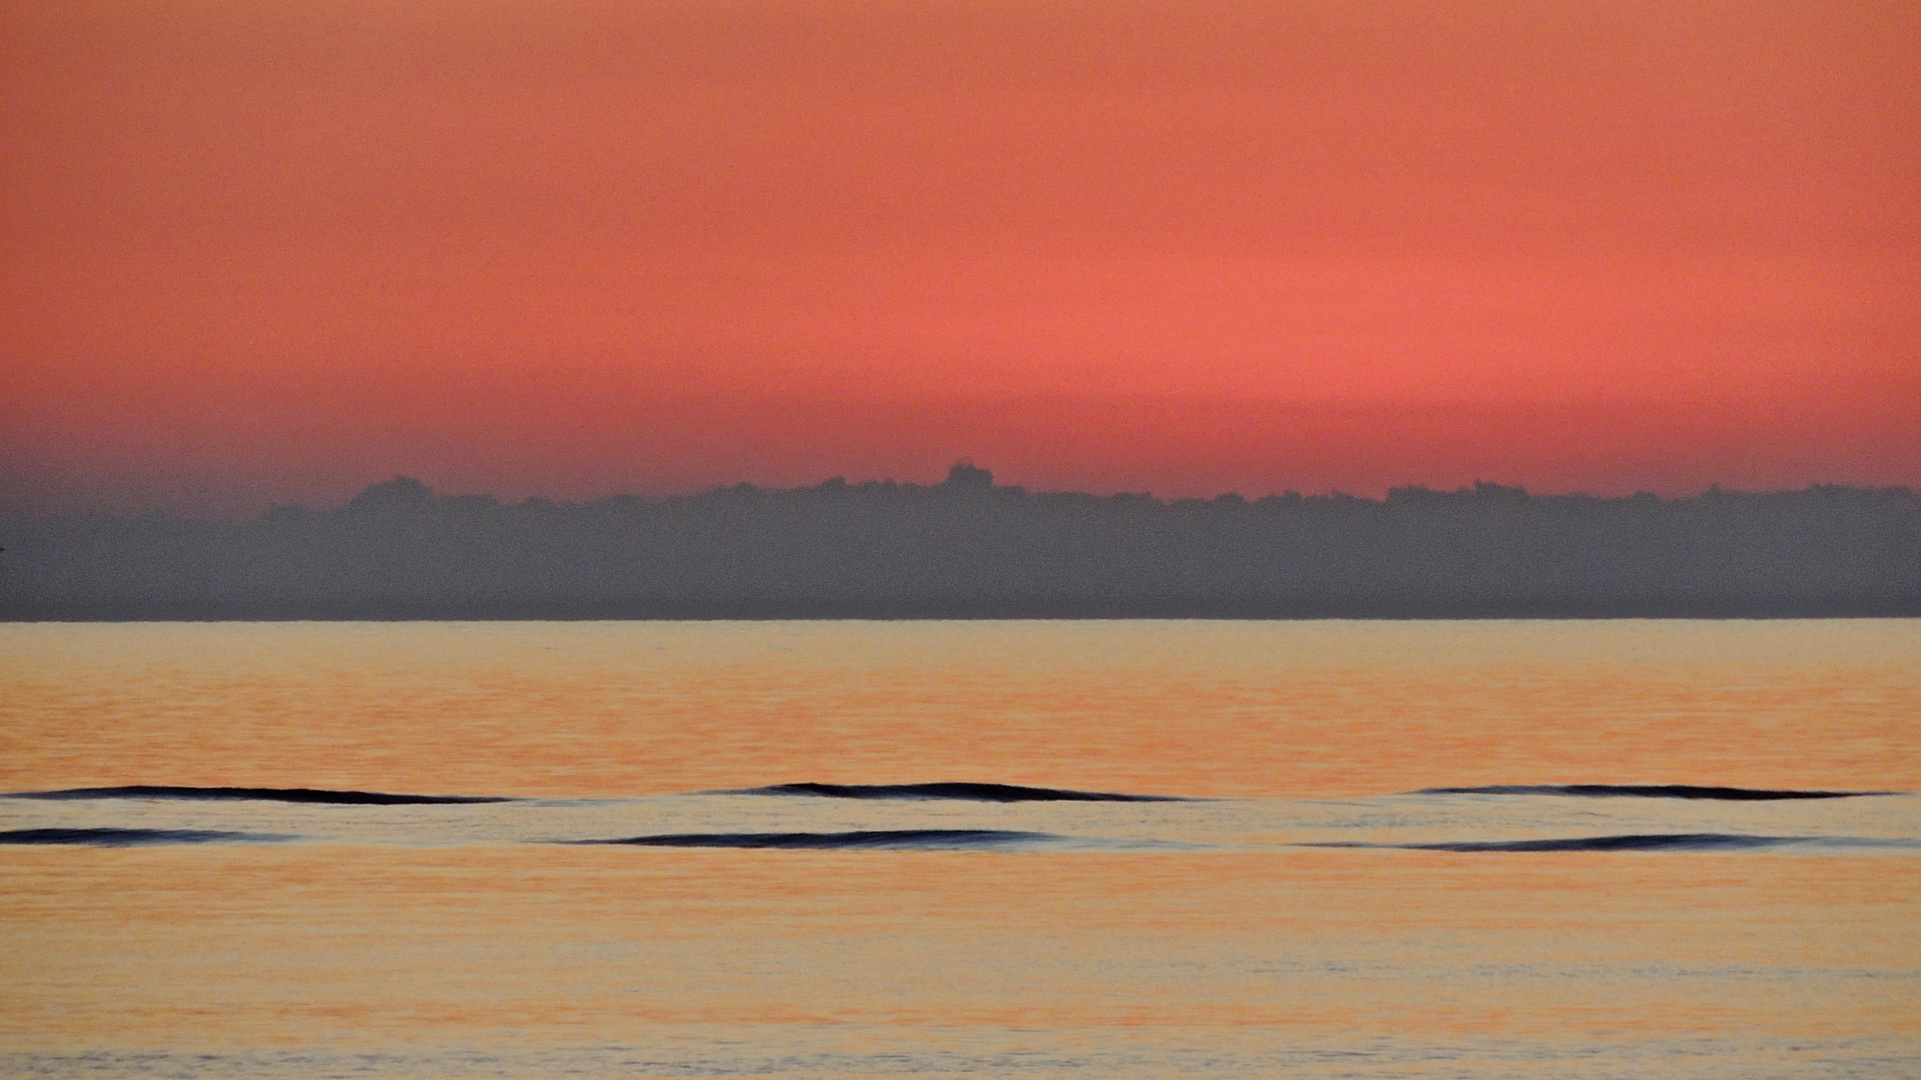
column 969, row 548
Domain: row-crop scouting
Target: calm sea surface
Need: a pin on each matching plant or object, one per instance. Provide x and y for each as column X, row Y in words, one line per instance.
column 872, row 849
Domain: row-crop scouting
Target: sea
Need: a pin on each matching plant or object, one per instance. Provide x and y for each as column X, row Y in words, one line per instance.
column 1029, row 849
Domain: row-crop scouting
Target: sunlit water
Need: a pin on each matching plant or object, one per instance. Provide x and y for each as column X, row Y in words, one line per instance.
column 641, row 899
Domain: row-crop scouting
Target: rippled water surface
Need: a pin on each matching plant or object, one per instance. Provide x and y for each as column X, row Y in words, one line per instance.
column 1588, row 849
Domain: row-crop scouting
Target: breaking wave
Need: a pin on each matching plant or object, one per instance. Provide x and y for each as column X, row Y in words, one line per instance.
column 864, row 839
column 968, row 792
column 287, row 795
column 1647, row 791
column 135, row 837
column 1638, row 842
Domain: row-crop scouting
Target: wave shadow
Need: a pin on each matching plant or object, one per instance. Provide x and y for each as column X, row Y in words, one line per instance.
column 858, row 840
column 957, row 790
column 136, row 837
column 286, row 795
column 1648, row 791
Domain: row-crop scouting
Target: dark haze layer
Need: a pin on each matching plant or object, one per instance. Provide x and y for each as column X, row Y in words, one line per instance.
column 971, row 548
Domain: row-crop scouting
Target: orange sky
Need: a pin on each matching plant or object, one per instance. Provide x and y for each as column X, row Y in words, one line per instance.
column 269, row 251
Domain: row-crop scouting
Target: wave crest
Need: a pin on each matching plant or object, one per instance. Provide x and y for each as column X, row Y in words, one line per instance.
column 288, row 795
column 1636, row 842
column 135, row 837
column 956, row 790
column 910, row 839
column 1648, row 791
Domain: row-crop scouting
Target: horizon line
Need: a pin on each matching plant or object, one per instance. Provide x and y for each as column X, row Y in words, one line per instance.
column 963, row 475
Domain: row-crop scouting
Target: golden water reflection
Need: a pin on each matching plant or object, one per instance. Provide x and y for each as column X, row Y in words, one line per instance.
column 369, row 946
column 524, row 959
column 1197, row 708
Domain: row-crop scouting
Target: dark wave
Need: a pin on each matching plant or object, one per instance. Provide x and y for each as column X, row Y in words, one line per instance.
column 1639, row 842
column 968, row 792
column 921, row 839
column 134, row 837
column 289, row 795
column 1648, row 791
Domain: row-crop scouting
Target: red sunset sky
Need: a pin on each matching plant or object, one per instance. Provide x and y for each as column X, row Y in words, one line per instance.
column 255, row 251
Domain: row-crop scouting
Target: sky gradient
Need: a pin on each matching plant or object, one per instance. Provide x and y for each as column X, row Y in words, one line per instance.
column 254, row 252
